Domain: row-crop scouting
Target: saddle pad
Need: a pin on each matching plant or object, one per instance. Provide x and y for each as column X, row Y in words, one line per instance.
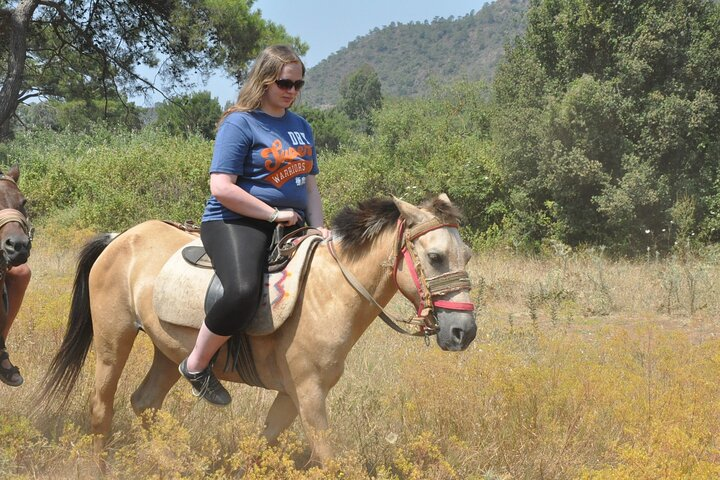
column 180, row 290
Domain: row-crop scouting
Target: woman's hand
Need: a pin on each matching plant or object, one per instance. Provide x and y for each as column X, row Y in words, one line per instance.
column 287, row 217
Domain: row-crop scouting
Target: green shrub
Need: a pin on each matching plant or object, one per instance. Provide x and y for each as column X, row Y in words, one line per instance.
column 111, row 180
column 192, row 114
column 421, row 147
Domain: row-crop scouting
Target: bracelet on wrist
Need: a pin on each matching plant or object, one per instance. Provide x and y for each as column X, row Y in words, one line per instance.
column 274, row 215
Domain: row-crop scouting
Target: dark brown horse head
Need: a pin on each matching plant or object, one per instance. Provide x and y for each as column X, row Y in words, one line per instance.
column 15, row 238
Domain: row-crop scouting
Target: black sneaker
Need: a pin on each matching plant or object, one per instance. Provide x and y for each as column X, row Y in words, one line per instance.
column 206, row 385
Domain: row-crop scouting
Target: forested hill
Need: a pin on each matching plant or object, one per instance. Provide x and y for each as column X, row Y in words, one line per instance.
column 405, row 56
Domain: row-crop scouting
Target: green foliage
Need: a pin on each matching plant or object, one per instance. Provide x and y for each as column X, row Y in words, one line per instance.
column 360, row 94
column 195, row 113
column 683, row 218
column 419, row 147
column 606, row 115
column 92, row 50
column 633, row 199
column 332, row 127
column 79, row 115
column 111, row 180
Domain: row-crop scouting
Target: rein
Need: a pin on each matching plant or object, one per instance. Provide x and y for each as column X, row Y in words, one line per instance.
column 427, row 288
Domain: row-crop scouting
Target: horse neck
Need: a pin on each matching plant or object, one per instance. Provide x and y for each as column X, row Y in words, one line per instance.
column 374, row 271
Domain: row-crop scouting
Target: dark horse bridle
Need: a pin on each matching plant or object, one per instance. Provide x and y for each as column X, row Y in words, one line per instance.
column 11, row 215
column 427, row 287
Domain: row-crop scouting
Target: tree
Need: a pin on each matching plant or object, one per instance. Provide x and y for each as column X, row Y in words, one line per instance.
column 91, row 49
column 607, row 113
column 331, row 127
column 78, row 115
column 193, row 113
column 419, row 146
column 360, row 93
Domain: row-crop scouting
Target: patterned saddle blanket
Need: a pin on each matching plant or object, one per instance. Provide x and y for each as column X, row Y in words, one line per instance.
column 184, row 292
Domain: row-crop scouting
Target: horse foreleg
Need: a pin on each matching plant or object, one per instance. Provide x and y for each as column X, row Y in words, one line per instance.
column 281, row 415
column 157, row 383
column 313, row 414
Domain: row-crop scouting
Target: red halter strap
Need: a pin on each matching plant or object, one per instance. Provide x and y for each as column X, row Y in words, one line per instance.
column 427, row 288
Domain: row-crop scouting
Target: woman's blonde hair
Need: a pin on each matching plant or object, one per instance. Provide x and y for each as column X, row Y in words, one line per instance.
column 265, row 70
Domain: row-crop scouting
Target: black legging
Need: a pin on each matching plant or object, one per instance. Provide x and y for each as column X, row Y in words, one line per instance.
column 239, row 252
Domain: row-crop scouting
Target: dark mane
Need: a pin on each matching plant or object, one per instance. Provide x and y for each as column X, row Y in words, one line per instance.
column 358, row 226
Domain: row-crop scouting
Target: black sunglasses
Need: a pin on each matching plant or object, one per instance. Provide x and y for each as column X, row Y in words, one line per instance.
column 286, row 84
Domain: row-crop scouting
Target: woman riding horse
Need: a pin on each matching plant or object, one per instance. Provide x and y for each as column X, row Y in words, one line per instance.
column 384, row 245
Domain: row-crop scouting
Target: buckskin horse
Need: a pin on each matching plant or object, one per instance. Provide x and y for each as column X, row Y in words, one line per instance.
column 383, row 245
column 15, row 244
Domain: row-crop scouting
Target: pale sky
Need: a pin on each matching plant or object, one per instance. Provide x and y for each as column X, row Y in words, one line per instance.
column 329, row 25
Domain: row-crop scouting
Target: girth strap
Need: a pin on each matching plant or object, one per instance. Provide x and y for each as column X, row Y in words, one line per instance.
column 240, row 359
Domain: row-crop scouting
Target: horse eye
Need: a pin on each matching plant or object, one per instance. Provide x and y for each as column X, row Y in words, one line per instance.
column 435, row 258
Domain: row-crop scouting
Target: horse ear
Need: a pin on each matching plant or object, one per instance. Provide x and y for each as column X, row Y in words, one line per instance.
column 409, row 212
column 444, row 198
column 14, row 172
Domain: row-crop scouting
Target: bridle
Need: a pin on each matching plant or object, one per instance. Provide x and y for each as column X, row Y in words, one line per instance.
column 12, row 215
column 428, row 288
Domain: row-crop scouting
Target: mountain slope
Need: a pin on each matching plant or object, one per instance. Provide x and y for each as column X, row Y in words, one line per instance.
column 406, row 56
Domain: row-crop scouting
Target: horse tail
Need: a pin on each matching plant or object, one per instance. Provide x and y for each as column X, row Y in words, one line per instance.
column 65, row 367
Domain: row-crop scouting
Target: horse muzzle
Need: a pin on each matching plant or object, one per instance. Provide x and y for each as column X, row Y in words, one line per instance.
column 16, row 248
column 457, row 329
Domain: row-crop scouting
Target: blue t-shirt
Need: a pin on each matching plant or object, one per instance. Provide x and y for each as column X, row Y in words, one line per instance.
column 271, row 157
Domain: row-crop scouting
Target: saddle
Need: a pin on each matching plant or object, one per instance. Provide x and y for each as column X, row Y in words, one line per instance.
column 282, row 249
column 187, row 286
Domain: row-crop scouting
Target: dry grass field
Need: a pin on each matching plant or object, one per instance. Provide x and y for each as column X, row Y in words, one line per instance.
column 584, row 367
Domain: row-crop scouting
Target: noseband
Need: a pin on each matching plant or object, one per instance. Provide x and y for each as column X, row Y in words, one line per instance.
column 10, row 215
column 428, row 288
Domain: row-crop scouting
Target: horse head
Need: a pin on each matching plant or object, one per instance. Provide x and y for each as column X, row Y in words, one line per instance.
column 15, row 236
column 430, row 270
